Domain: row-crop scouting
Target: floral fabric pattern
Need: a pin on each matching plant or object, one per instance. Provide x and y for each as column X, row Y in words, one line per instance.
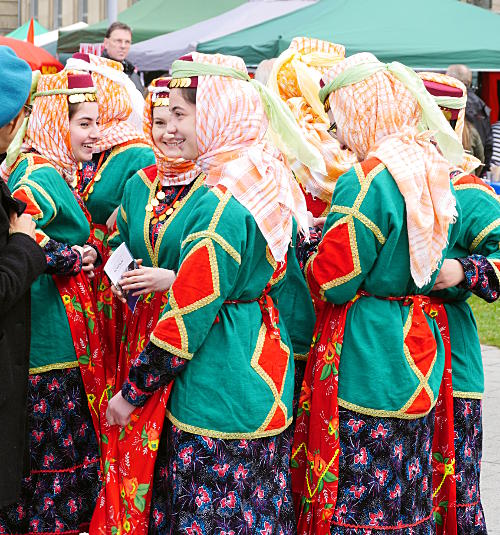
column 209, row 486
column 60, row 493
column 385, row 478
column 468, row 451
column 152, row 369
column 61, row 259
column 480, row 277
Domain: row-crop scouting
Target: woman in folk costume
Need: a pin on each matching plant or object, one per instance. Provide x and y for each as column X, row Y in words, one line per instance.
column 472, row 266
column 60, row 493
column 220, row 335
column 155, row 205
column 362, row 446
column 120, row 152
column 295, row 77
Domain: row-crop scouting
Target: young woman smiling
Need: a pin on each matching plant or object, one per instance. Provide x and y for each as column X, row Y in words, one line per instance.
column 60, row 492
column 227, row 464
column 120, row 152
column 155, row 207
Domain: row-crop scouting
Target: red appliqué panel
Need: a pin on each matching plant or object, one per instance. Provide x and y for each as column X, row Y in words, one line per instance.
column 335, row 256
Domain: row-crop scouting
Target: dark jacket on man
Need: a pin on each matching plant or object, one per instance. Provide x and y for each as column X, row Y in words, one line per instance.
column 22, row 260
column 478, row 113
column 129, row 70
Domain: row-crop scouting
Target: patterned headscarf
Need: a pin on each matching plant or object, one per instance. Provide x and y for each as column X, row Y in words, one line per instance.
column 48, row 126
column 172, row 172
column 231, row 123
column 115, row 104
column 454, row 106
column 296, row 78
column 379, row 117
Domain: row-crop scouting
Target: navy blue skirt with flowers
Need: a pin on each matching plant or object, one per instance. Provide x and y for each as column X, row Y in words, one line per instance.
column 468, row 451
column 385, row 476
column 209, row 486
column 60, row 493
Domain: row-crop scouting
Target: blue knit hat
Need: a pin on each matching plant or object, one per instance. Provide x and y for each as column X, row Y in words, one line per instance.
column 15, row 84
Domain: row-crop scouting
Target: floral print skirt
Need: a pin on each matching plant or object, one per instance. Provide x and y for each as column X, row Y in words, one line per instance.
column 385, row 476
column 468, row 450
column 61, row 490
column 209, row 486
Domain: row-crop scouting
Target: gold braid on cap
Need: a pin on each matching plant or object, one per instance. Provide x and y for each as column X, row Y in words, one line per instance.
column 78, row 98
column 180, row 82
column 161, row 101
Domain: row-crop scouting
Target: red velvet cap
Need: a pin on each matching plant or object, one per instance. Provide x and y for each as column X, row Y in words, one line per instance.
column 80, row 80
column 437, row 89
column 82, row 56
column 442, row 90
column 163, row 83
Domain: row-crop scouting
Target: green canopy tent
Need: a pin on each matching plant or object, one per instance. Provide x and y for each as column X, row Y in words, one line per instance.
column 22, row 32
column 149, row 18
column 428, row 34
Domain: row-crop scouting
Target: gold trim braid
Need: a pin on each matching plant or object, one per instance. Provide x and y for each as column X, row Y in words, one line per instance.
column 55, row 366
column 222, row 434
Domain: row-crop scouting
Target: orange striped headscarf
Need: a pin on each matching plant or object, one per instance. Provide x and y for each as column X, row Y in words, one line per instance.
column 295, row 77
column 379, row 117
column 172, row 172
column 115, row 105
column 48, row 126
column 470, row 162
column 230, row 126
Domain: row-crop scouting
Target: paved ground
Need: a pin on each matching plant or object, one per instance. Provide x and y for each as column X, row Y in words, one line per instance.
column 490, row 476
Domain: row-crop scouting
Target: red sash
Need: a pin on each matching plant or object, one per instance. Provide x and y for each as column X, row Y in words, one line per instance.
column 443, row 445
column 78, row 301
column 129, row 454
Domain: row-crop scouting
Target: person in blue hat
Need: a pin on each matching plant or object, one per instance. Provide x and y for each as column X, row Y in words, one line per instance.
column 22, row 260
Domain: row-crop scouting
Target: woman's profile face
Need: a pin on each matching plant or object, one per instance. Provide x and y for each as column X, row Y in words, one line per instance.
column 182, row 125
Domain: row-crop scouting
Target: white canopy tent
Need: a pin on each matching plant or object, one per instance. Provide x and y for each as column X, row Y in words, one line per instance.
column 48, row 40
column 158, row 53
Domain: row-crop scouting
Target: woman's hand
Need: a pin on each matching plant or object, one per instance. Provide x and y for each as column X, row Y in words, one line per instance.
column 119, row 411
column 89, row 258
column 315, row 221
column 118, row 294
column 146, row 279
column 111, row 221
column 451, row 274
column 319, row 222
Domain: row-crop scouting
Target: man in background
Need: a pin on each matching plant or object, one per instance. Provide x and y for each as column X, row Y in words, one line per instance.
column 476, row 111
column 117, row 45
